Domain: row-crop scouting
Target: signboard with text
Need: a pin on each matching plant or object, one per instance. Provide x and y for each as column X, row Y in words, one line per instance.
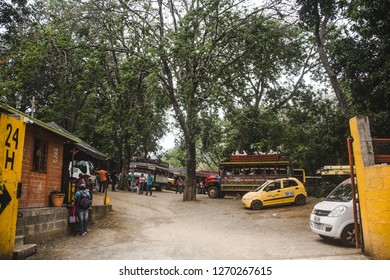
column 12, row 132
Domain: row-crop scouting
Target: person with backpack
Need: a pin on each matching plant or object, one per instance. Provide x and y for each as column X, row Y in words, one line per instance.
column 83, row 202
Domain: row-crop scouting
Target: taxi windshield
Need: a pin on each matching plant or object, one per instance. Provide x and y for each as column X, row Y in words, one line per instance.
column 260, row 187
column 342, row 192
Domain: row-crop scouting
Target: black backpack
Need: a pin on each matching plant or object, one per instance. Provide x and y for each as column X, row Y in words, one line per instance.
column 85, row 202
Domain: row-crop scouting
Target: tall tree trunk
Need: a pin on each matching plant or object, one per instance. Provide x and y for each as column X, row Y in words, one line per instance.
column 125, row 167
column 319, row 34
column 190, row 184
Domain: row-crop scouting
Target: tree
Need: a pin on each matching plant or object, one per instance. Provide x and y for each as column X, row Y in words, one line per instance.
column 264, row 80
column 232, row 74
column 314, row 131
column 315, row 15
column 361, row 57
column 195, row 43
column 128, row 89
column 14, row 18
column 78, row 60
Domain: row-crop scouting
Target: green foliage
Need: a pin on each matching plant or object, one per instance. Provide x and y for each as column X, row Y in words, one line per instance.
column 234, row 79
column 71, row 66
column 311, row 10
column 315, row 133
column 176, row 157
column 362, row 57
column 324, row 189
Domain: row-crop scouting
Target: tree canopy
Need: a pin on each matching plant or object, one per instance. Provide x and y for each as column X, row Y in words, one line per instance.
column 235, row 75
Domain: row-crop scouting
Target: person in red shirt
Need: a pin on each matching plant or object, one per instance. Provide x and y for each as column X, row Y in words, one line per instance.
column 103, row 174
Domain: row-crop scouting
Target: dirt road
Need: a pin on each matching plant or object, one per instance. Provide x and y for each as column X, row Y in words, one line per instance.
column 164, row 227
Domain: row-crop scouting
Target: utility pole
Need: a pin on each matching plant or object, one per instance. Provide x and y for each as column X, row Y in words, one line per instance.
column 33, row 102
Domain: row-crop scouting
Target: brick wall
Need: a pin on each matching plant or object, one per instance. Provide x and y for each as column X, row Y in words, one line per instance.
column 37, row 186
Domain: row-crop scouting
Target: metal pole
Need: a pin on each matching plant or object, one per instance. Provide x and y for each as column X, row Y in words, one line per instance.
column 71, row 191
column 354, row 191
column 105, row 192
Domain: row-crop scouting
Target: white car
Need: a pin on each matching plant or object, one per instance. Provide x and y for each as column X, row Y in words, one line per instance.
column 333, row 217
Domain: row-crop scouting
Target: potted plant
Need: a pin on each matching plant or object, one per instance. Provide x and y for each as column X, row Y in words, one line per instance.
column 57, row 198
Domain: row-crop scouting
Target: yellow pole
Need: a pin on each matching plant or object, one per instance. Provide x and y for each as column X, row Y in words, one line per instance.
column 12, row 131
column 106, row 198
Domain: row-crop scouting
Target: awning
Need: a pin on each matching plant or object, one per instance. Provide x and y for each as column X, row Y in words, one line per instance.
column 81, row 145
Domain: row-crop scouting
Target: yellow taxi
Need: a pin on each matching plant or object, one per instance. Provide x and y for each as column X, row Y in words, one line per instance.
column 276, row 192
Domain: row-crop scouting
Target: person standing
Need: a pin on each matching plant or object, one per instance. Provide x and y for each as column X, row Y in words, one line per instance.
column 179, row 185
column 132, row 182
column 114, row 180
column 97, row 182
column 142, row 181
column 103, row 174
column 79, row 181
column 198, row 186
column 149, row 183
column 83, row 202
column 176, row 183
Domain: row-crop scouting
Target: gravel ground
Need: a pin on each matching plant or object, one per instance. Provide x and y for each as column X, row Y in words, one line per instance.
column 164, row 227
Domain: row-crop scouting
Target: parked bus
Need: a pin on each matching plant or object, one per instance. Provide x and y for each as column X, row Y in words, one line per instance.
column 244, row 173
column 159, row 170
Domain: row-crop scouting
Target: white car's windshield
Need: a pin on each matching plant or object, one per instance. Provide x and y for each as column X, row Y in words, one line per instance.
column 342, row 192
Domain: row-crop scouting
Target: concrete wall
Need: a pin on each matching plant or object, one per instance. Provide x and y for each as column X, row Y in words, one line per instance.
column 374, row 192
column 41, row 224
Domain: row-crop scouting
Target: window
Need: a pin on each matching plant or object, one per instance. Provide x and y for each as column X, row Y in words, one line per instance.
column 40, row 155
column 292, row 183
column 274, row 186
column 80, row 164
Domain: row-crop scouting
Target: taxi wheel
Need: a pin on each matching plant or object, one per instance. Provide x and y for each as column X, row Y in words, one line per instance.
column 256, row 205
column 348, row 236
column 300, row 200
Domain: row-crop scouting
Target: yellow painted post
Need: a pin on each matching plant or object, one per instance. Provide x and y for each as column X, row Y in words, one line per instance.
column 12, row 131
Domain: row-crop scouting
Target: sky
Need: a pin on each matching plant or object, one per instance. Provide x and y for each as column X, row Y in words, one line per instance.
column 168, row 142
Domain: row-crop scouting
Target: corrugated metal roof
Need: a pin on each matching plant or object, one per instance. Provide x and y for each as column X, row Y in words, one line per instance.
column 85, row 147
column 31, row 120
column 57, row 129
